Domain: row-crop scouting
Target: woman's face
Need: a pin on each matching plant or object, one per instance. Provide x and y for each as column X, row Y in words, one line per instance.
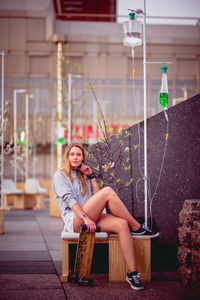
column 75, row 157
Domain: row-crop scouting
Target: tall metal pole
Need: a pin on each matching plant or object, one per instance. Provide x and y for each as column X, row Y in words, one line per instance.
column 69, row 108
column 15, row 132
column 52, row 140
column 2, row 122
column 34, row 142
column 27, row 133
column 15, row 136
column 59, row 99
column 145, row 117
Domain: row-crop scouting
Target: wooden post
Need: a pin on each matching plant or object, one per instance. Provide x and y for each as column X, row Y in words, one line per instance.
column 54, row 210
column 1, row 221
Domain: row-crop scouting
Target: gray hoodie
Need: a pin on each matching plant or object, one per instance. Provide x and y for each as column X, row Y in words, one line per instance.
column 68, row 193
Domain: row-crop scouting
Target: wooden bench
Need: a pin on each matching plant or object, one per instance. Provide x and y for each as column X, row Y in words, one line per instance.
column 24, row 200
column 117, row 265
column 32, row 200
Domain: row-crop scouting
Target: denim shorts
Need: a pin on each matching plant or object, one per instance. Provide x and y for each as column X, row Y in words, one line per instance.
column 68, row 219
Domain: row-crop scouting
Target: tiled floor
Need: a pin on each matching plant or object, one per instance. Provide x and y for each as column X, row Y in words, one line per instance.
column 30, row 266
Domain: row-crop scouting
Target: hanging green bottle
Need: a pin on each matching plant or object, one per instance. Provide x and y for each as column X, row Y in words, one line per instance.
column 164, row 88
column 61, row 133
column 22, row 137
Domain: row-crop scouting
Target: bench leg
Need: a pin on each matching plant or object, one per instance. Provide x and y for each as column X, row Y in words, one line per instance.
column 142, row 249
column 65, row 261
column 117, row 265
column 1, row 221
column 39, row 202
column 5, row 202
column 19, row 201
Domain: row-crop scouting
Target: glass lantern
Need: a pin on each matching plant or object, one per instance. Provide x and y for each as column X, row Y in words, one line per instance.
column 132, row 31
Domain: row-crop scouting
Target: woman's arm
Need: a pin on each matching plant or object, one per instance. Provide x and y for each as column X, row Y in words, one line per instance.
column 88, row 172
column 95, row 186
column 63, row 190
column 91, row 225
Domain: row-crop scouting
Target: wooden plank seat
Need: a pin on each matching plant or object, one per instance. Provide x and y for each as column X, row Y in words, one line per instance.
column 117, row 265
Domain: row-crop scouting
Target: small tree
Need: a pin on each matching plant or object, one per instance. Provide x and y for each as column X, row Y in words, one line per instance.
column 110, row 156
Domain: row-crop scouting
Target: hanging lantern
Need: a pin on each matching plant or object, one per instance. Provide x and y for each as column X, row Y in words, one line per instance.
column 132, row 31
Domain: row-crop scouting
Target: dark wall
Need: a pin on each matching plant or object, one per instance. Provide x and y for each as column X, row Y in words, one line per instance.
column 180, row 177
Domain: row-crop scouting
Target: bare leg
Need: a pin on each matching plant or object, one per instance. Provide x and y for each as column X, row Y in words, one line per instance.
column 95, row 205
column 119, row 223
column 110, row 223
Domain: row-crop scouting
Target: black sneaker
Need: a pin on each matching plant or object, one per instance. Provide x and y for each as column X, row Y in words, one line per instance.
column 143, row 230
column 134, row 279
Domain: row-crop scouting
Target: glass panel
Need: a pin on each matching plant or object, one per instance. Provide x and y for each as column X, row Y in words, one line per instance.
column 39, row 80
column 137, row 81
column 130, row 103
column 116, row 81
column 79, row 101
column 93, row 80
column 185, row 82
column 17, row 80
column 103, row 81
column 154, row 101
column 115, row 102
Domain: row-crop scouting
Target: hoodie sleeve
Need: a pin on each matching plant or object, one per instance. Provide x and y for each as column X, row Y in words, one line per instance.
column 63, row 190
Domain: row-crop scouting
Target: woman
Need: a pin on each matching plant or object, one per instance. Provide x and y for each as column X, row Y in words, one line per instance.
column 81, row 201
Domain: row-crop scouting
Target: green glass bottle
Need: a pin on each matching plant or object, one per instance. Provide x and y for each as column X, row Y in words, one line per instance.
column 61, row 133
column 61, row 140
column 164, row 88
column 163, row 99
column 22, row 137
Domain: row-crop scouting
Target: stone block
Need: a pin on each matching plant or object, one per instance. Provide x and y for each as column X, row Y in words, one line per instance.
column 184, row 235
column 190, row 277
column 195, row 235
column 192, row 204
column 188, row 216
column 184, row 256
column 188, row 257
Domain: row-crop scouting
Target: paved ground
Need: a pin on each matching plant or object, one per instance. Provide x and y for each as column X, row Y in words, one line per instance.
column 30, row 266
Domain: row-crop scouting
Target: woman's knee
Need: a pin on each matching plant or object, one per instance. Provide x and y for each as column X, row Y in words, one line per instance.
column 122, row 225
column 108, row 191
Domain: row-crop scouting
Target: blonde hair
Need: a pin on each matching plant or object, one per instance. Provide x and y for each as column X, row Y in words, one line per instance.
column 67, row 168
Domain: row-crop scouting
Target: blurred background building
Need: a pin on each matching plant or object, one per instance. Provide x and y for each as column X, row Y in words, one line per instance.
column 91, row 39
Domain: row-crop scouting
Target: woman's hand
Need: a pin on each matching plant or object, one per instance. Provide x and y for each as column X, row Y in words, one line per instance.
column 85, row 169
column 91, row 225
